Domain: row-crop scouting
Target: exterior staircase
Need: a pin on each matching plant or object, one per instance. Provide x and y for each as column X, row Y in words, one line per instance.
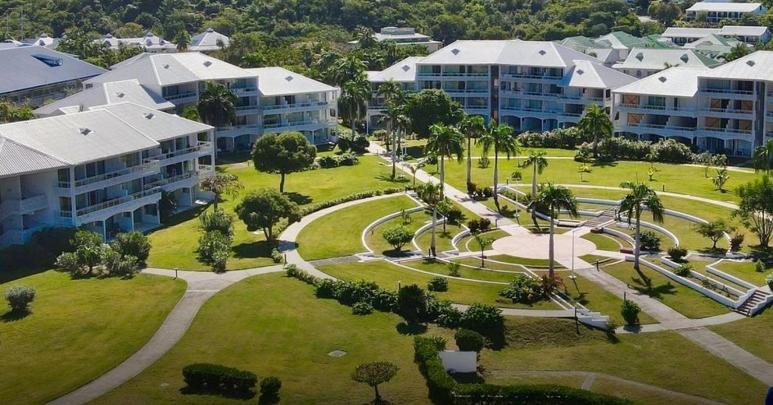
column 756, row 299
column 607, row 217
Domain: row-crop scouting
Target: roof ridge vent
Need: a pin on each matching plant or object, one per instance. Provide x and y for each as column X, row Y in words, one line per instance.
column 208, row 63
column 166, row 66
column 662, row 79
column 289, row 78
column 542, row 52
column 85, row 131
column 149, row 115
column 750, row 62
column 455, row 51
column 406, row 68
column 120, row 94
column 640, row 56
column 684, row 58
column 580, row 71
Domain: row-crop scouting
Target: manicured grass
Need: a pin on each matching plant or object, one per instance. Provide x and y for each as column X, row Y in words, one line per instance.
column 662, row 359
column 175, row 245
column 273, row 325
column 491, row 265
column 665, row 241
column 441, row 268
column 339, row 233
column 744, row 270
column 534, row 263
column 752, row 334
column 375, row 239
column 602, row 242
column 595, row 298
column 688, row 302
column 468, row 244
column 388, row 276
column 593, row 258
column 77, row 330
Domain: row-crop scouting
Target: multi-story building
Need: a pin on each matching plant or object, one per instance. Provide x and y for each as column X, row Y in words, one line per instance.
column 34, row 75
column 405, row 36
column 181, row 77
column 124, row 91
column 104, row 169
column 402, row 73
column 725, row 109
column 643, row 62
column 209, row 41
column 530, row 85
column 716, row 11
column 748, row 34
column 149, row 43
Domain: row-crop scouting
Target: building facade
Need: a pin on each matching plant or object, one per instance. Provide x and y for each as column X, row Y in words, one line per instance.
column 104, row 169
column 716, row 11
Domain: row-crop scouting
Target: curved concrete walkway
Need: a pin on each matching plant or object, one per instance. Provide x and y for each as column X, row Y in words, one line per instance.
column 201, row 287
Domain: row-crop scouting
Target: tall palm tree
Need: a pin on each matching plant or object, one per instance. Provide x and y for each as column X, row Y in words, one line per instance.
column 348, row 69
column 640, row 197
column 431, row 194
column 183, row 40
column 763, row 158
column 393, row 100
column 217, row 105
column 354, row 94
column 596, row 123
column 538, row 163
column 472, row 127
column 444, row 142
column 500, row 138
column 554, row 199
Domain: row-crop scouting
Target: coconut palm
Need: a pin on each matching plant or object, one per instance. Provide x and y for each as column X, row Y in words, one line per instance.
column 500, row 138
column 553, row 199
column 538, row 163
column 394, row 99
column 763, row 157
column 444, row 142
column 183, row 40
column 472, row 127
column 217, row 105
column 431, row 194
column 354, row 94
column 347, row 69
column 640, row 197
column 596, row 123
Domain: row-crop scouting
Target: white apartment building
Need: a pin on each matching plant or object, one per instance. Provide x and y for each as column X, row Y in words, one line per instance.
column 124, row 91
column 209, row 41
column 642, row 62
column 724, row 109
column 747, row 34
column 530, row 85
column 402, row 73
column 716, row 11
column 403, row 36
column 292, row 102
column 104, row 169
column 149, row 43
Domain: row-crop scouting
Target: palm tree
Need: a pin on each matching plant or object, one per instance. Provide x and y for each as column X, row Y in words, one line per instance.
column 348, row 69
column 640, row 197
column 444, row 141
column 183, row 40
column 220, row 184
column 431, row 194
column 596, row 123
column 365, row 37
column 217, row 105
column 763, row 157
column 554, row 199
column 538, row 162
column 354, row 94
column 394, row 97
column 472, row 127
column 500, row 138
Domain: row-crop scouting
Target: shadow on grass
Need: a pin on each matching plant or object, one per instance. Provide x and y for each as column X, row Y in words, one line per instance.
column 400, row 178
column 231, row 395
column 604, row 163
column 468, row 378
column 298, row 198
column 269, row 399
column 8, row 275
column 405, row 328
column 252, row 250
column 644, row 285
column 226, row 158
column 13, row 316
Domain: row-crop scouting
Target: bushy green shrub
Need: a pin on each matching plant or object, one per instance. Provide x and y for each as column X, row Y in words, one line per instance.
column 309, row 209
column 412, row 303
column 269, row 387
column 385, row 301
column 327, row 162
column 619, row 148
column 565, row 138
column 454, row 269
column 524, row 289
column 214, row 248
column 438, row 284
column 134, row 244
column 397, row 237
column 347, row 159
column 483, row 318
column 19, row 298
column 683, row 270
column 217, row 220
column 293, row 271
column 469, row 340
column 276, row 256
column 759, row 266
column 217, row 378
column 736, row 241
column 650, row 241
column 326, row 288
column 630, row 312
column 362, row 308
column 118, row 265
column 446, row 315
column 479, row 225
column 677, row 253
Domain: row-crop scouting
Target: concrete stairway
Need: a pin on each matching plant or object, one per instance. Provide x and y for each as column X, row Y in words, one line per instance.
column 758, row 297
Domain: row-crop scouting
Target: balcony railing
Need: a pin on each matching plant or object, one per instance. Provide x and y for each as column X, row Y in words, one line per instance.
column 147, row 165
column 24, row 205
column 117, row 201
column 466, row 91
column 644, row 106
column 172, row 179
column 295, row 105
column 727, row 130
column 532, row 76
column 661, row 126
column 727, row 110
column 200, row 146
column 292, row 123
column 728, row 91
column 247, row 107
column 180, row 95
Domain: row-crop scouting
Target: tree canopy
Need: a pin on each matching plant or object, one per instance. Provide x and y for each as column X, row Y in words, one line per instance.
column 283, row 153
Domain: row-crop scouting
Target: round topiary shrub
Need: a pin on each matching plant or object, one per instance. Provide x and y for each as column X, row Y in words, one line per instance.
column 469, row 340
column 19, row 298
column 677, row 253
column 362, row 308
column 630, row 312
column 438, row 284
column 269, row 387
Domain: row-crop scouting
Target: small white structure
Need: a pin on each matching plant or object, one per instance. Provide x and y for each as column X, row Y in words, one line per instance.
column 405, row 36
column 743, row 33
column 642, row 62
column 209, row 41
column 716, row 11
column 459, row 362
column 149, row 43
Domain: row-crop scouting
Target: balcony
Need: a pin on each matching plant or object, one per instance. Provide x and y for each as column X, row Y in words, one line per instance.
column 745, row 94
column 726, row 130
column 146, row 168
column 116, row 202
column 180, row 96
column 506, row 76
column 202, row 146
column 312, row 104
column 466, row 91
column 644, row 106
column 25, row 205
column 236, row 130
column 171, row 183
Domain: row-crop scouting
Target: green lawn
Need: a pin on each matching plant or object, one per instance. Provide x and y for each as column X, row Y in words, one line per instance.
column 595, row 298
column 752, row 334
column 662, row 359
column 273, row 325
column 468, row 244
column 744, row 270
column 339, row 233
column 77, row 330
column 464, row 271
column 388, row 276
column 525, row 261
column 602, row 242
column 685, row 300
column 175, row 245
column 375, row 239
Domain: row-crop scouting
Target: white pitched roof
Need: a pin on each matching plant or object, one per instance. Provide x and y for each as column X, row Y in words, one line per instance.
column 166, row 69
column 744, row 30
column 17, row 159
column 588, row 74
column 658, row 59
column 402, row 71
column 275, row 81
column 687, row 32
column 505, row 52
column 680, row 81
column 26, row 67
column 722, row 6
column 154, row 124
column 107, row 93
column 150, row 41
column 755, row 66
column 209, row 40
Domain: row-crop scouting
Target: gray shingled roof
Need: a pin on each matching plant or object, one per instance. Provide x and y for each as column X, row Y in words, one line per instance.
column 26, row 67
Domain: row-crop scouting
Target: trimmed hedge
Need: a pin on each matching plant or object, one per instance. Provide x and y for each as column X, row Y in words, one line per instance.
column 351, row 197
column 444, row 389
column 217, row 378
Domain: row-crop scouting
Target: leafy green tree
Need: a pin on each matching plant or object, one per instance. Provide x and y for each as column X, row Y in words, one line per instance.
column 537, row 161
column 640, row 197
column 354, row 96
column 264, row 209
column 721, row 178
column 714, row 230
column 217, row 220
column 738, row 51
column 554, row 199
column 134, row 244
column 429, row 107
column 472, row 127
column 431, row 194
column 12, row 113
column 217, row 105
column 220, row 184
column 375, row 374
column 214, row 250
column 394, row 97
column 284, row 153
column 502, row 139
column 350, row 68
column 596, row 125
column 191, row 112
column 397, row 237
column 756, row 208
column 444, row 142
column 483, row 243
column 183, row 40
column 412, row 303
column 763, row 158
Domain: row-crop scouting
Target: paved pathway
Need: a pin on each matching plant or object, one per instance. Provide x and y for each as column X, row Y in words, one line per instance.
column 201, row 286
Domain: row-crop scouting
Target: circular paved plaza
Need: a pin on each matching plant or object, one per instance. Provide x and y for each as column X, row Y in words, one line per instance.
column 535, row 246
